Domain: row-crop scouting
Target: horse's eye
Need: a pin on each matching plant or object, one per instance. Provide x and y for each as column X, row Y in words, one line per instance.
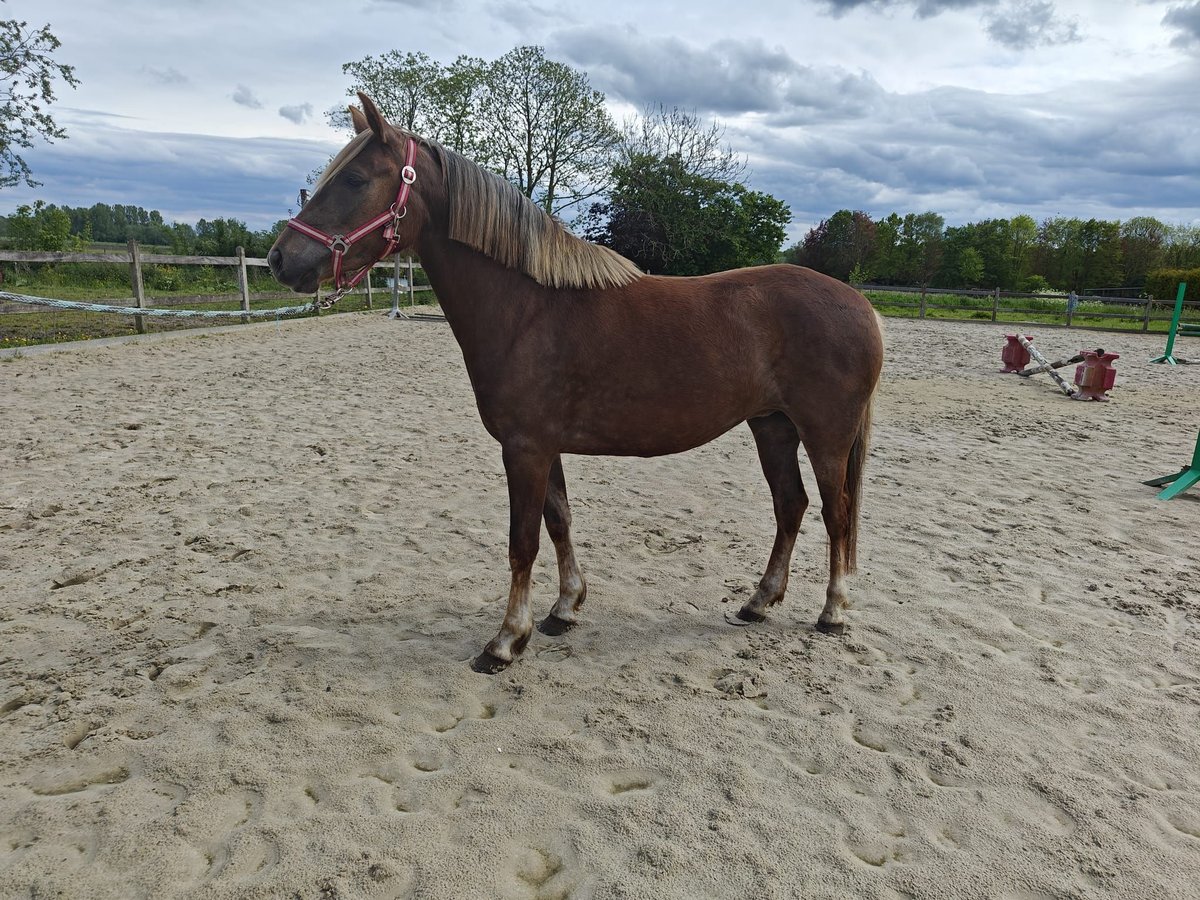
column 353, row 179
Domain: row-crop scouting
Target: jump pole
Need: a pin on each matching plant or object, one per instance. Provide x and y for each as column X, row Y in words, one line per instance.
column 1057, row 364
column 1045, row 365
column 1167, row 356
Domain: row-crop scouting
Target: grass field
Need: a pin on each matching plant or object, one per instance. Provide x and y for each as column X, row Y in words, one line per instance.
column 1028, row 311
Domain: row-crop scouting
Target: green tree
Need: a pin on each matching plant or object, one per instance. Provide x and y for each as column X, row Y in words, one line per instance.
column 1022, row 237
column 553, row 136
column 455, row 115
column 920, row 247
column 671, row 221
column 27, row 75
column 970, row 267
column 886, row 263
column 54, row 229
column 39, row 227
column 1100, row 256
column 535, row 121
column 401, row 84
column 838, row 245
column 1143, row 239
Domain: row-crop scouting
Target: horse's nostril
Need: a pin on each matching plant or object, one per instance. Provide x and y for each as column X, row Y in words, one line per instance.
column 275, row 260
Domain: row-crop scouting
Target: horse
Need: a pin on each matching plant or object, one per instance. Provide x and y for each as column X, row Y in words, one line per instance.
column 571, row 349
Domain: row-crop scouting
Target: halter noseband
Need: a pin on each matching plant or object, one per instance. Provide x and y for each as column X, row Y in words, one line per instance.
column 340, row 244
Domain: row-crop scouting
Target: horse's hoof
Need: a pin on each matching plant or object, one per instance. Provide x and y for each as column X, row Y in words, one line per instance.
column 831, row 627
column 750, row 616
column 553, row 626
column 487, row 663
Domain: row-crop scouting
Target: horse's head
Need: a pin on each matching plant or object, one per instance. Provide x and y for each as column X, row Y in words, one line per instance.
column 366, row 206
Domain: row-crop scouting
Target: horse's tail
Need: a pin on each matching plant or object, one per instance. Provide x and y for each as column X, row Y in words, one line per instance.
column 854, row 473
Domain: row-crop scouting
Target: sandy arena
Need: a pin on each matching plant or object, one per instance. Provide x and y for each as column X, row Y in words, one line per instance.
column 242, row 576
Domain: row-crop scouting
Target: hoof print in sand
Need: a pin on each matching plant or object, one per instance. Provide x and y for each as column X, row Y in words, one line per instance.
column 630, row 781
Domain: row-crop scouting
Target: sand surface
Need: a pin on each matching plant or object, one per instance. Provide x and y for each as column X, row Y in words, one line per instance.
column 241, row 577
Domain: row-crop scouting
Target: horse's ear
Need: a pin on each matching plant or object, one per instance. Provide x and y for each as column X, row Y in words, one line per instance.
column 375, row 120
column 359, row 120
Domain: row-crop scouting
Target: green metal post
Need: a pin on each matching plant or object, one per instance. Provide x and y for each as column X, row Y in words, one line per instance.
column 1181, row 480
column 1167, row 357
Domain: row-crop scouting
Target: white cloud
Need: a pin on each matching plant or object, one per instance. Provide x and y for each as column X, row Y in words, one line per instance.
column 243, row 96
column 300, row 113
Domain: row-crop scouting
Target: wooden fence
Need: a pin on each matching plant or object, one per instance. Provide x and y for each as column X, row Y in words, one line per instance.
column 1006, row 307
column 135, row 258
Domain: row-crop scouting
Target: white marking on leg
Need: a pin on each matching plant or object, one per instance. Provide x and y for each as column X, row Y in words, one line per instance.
column 836, row 600
column 570, row 586
column 518, row 621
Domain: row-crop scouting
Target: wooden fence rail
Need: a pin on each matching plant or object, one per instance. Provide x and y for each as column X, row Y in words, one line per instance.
column 1130, row 309
column 136, row 259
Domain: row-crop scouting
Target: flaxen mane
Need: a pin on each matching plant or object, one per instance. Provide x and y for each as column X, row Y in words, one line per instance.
column 490, row 215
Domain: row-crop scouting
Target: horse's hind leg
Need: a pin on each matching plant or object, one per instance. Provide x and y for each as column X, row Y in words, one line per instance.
column 572, row 590
column 830, row 471
column 778, row 443
column 528, row 473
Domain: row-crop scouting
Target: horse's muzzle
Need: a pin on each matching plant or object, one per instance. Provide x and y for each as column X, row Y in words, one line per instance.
column 295, row 270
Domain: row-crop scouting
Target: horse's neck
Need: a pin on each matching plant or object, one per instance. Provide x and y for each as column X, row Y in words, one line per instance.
column 484, row 302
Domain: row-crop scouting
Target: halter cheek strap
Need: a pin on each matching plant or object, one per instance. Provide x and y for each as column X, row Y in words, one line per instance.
column 339, row 244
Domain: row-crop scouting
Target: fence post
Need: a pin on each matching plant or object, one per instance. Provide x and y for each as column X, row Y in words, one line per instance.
column 922, row 313
column 369, row 272
column 995, row 303
column 139, row 291
column 396, row 285
column 412, row 301
column 243, row 283
column 1146, row 315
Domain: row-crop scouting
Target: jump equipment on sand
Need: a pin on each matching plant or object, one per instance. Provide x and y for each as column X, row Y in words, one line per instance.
column 1096, row 376
column 1181, row 480
column 1093, row 378
column 1178, row 327
column 1014, row 356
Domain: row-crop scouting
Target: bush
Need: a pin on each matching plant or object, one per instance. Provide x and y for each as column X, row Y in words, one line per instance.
column 1162, row 284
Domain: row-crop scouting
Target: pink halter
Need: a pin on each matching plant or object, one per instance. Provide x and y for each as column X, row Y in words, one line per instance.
column 340, row 244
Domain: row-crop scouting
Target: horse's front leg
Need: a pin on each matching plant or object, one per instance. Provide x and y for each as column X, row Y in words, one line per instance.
column 528, row 471
column 572, row 589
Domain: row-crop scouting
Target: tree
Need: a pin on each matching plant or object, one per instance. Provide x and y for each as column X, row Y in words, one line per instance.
column 553, row 137
column 39, row 227
column 1182, row 249
column 920, row 247
column 1143, row 239
column 27, row 73
column 401, row 84
column 970, row 267
column 663, row 133
column 535, row 121
column 455, row 118
column 1022, row 236
column 838, row 245
column 671, row 221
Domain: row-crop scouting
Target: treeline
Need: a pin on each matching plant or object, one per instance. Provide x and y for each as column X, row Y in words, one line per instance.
column 1017, row 254
column 54, row 228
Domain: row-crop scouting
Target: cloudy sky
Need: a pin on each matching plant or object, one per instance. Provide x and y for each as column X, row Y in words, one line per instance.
column 969, row 108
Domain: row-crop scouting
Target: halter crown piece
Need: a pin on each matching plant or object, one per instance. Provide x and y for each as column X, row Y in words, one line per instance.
column 340, row 244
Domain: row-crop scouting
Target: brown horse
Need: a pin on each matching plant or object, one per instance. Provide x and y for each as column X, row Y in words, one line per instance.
column 571, row 349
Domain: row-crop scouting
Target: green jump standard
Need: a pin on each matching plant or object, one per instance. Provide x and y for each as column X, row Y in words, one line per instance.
column 1181, row 480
